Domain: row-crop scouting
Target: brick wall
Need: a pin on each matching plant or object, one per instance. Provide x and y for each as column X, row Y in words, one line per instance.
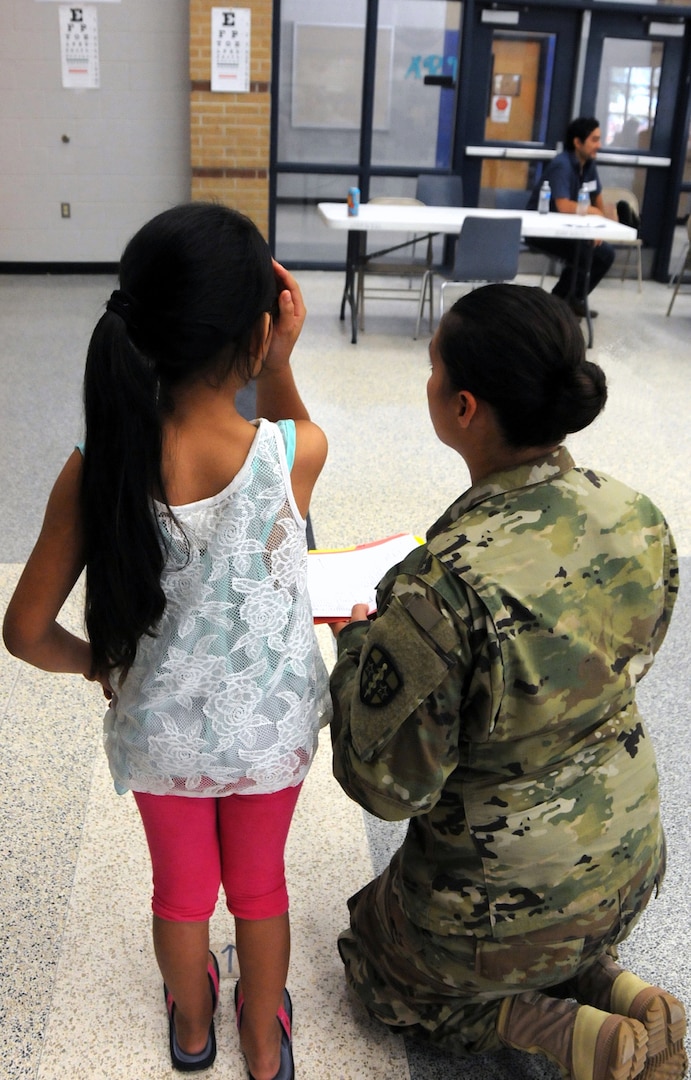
column 230, row 133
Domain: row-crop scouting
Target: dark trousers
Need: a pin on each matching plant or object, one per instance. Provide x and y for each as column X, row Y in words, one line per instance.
column 566, row 251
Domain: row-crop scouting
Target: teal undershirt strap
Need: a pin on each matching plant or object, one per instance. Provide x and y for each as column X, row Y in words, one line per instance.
column 287, row 428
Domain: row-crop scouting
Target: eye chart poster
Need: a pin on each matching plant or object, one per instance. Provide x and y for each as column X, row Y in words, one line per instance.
column 79, row 47
column 230, row 50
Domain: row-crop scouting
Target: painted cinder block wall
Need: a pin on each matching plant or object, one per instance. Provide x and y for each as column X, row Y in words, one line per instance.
column 117, row 154
column 150, row 136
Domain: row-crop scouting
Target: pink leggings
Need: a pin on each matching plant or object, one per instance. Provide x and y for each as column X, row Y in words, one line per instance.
column 197, row 844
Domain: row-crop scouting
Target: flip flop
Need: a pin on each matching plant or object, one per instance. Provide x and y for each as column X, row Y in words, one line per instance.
column 182, row 1061
column 286, row 1068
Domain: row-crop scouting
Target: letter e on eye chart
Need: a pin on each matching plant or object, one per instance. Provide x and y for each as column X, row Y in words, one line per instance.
column 230, row 50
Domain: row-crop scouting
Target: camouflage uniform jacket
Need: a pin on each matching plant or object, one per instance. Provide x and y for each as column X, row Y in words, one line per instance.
column 492, row 702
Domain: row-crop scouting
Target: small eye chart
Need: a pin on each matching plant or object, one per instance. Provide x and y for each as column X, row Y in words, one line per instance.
column 79, row 47
column 230, row 50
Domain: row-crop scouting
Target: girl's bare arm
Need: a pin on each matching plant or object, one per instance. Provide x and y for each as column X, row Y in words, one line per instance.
column 30, row 629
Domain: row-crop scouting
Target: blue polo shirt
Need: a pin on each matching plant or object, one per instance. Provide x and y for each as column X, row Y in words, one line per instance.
column 566, row 175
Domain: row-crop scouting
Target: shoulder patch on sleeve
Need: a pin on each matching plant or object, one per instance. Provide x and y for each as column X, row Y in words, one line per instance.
column 380, row 680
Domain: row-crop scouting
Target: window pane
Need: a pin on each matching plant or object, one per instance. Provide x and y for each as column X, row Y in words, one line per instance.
column 627, row 91
column 624, row 176
column 301, row 236
column 320, row 93
column 414, row 122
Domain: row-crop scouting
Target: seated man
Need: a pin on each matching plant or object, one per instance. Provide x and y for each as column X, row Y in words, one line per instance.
column 566, row 173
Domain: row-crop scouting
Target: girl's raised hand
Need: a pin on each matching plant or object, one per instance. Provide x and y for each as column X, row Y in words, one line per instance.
column 289, row 321
column 278, row 397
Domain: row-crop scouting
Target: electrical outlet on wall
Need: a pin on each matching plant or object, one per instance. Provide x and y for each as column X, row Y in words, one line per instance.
column 65, row 210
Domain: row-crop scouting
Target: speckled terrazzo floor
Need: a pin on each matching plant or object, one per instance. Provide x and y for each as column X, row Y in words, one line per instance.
column 79, row 990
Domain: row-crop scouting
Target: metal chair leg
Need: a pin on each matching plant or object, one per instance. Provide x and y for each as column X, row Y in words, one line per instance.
column 676, row 290
column 426, row 280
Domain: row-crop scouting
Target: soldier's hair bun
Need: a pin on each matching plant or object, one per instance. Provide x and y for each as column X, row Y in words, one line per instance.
column 522, row 351
column 579, row 397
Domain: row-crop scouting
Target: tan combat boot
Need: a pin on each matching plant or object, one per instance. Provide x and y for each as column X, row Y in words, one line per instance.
column 608, row 986
column 586, row 1043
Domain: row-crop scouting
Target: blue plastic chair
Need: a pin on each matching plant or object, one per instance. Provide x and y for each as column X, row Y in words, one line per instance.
column 487, row 251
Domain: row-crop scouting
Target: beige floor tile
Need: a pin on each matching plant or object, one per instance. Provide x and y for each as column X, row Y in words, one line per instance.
column 107, row 1018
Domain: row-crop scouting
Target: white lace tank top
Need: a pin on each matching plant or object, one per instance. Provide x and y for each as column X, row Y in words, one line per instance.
column 228, row 696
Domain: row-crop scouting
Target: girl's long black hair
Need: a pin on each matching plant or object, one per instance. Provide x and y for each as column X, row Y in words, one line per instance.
column 193, row 283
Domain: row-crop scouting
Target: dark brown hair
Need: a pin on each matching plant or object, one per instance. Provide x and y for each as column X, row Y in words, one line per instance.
column 521, row 350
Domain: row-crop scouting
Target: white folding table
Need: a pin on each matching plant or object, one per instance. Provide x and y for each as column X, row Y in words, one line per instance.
column 431, row 220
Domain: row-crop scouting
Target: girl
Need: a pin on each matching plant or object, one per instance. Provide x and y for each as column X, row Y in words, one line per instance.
column 190, row 521
column 492, row 702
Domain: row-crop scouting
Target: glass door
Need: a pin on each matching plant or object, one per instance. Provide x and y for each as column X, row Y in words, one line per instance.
column 633, row 67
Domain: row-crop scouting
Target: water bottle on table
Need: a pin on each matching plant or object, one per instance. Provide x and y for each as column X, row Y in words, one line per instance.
column 545, row 199
column 583, row 201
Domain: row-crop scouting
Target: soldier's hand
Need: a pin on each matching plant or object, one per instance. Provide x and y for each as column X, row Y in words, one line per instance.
column 358, row 614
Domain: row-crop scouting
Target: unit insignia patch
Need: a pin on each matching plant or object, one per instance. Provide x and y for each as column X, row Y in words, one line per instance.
column 379, row 681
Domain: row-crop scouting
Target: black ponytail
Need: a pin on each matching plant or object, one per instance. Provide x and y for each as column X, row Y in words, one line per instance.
column 122, row 462
column 193, row 283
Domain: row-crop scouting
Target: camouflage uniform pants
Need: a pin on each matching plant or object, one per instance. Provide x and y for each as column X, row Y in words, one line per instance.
column 448, row 989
